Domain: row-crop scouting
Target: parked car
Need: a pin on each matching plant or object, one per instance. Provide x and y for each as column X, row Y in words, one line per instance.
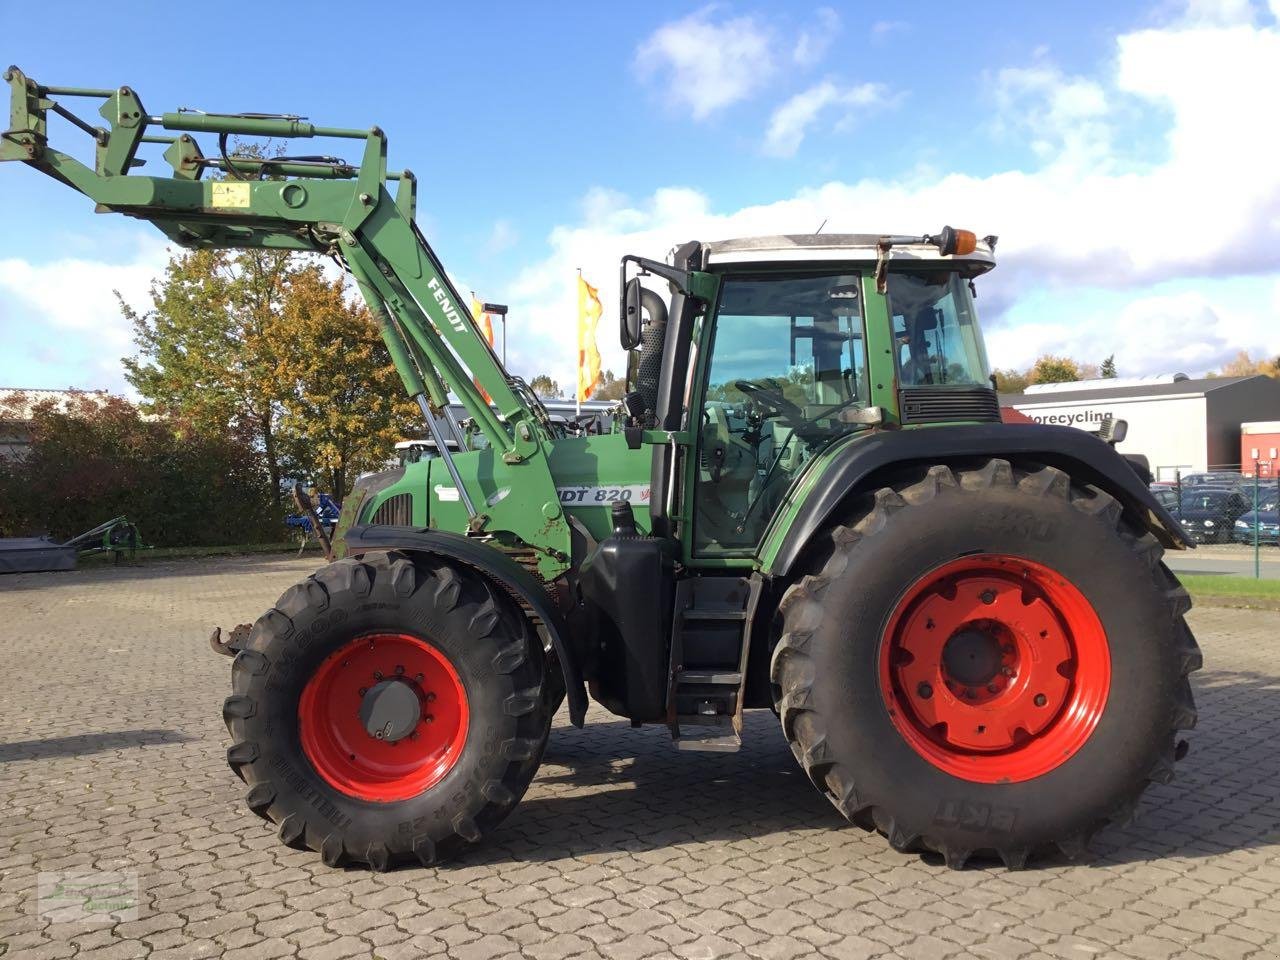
column 1166, row 496
column 1267, row 520
column 1208, row 514
column 1213, row 478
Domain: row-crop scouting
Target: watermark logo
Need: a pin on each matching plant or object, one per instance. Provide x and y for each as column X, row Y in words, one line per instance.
column 89, row 896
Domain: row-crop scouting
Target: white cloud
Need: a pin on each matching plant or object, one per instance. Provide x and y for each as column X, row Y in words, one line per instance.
column 66, row 307
column 502, row 236
column 1207, row 206
column 1168, row 333
column 1065, row 120
column 815, row 39
column 793, row 119
column 708, row 65
column 882, row 30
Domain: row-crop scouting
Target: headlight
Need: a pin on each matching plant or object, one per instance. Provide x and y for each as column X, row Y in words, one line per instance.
column 1241, row 525
column 1208, row 523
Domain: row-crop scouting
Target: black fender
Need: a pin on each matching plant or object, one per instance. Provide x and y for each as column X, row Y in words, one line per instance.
column 1080, row 454
column 499, row 569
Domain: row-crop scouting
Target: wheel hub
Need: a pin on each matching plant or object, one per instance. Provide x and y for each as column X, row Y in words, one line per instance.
column 994, row 668
column 384, row 717
column 972, row 656
column 391, row 710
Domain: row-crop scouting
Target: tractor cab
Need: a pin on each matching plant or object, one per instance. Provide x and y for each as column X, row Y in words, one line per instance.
column 795, row 344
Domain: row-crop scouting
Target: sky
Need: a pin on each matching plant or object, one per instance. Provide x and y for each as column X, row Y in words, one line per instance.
column 1127, row 154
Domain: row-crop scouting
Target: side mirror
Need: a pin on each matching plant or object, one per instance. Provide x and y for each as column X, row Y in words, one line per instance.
column 632, row 304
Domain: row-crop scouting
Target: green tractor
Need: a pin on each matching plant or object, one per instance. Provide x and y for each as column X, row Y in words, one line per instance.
column 810, row 505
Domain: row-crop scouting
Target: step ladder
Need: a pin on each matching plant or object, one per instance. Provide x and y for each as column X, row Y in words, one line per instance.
column 709, row 648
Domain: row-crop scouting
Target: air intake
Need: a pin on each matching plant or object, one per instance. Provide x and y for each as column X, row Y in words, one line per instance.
column 943, row 404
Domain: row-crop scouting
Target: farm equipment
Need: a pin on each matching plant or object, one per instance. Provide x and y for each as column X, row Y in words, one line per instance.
column 37, row 554
column 964, row 626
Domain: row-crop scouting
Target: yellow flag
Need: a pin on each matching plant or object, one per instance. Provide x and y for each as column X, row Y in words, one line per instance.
column 589, row 311
column 482, row 319
column 486, row 327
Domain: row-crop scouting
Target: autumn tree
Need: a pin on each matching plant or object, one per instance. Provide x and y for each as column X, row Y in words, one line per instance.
column 545, row 387
column 1051, row 369
column 611, row 387
column 1011, row 381
column 209, row 348
column 342, row 404
column 1245, row 366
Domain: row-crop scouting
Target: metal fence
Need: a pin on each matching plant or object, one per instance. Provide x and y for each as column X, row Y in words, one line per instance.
column 1224, row 505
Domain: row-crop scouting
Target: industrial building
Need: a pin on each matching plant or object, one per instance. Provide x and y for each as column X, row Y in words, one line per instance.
column 1260, row 448
column 1179, row 424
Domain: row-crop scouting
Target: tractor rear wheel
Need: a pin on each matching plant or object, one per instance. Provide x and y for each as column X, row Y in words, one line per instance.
column 385, row 712
column 986, row 661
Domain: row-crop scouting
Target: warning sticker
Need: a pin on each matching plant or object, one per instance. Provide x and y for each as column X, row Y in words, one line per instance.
column 603, row 496
column 228, row 194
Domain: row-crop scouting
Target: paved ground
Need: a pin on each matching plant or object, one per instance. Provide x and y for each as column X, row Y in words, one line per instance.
column 111, row 758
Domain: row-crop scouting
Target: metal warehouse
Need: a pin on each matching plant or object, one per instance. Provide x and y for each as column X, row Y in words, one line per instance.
column 1178, row 423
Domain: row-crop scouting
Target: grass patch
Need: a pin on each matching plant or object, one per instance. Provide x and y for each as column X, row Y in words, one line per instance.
column 1233, row 591
column 195, row 553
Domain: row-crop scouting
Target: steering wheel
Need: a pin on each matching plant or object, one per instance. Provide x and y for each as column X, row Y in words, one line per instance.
column 770, row 397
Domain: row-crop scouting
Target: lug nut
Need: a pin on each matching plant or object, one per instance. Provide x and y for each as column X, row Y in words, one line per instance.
column 428, row 718
column 987, row 596
column 1040, row 700
column 993, row 688
column 418, row 677
column 430, row 697
column 924, row 691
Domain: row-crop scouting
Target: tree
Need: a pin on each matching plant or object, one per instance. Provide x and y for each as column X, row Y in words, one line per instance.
column 342, row 406
column 1011, row 381
column 545, row 387
column 611, row 387
column 1108, row 368
column 207, row 349
column 1245, row 366
column 100, row 458
column 1051, row 369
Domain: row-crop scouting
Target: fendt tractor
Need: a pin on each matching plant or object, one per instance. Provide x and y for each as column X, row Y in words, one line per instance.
column 809, row 504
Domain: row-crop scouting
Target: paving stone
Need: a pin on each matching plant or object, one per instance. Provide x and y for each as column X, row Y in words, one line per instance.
column 622, row 847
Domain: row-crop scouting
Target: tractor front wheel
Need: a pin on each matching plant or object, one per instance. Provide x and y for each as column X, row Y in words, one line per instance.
column 986, row 661
column 385, row 711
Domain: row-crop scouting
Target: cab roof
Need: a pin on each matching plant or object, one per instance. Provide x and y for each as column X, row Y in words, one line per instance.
column 802, row 247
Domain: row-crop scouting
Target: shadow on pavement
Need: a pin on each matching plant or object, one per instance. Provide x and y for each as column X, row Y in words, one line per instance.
column 1226, row 796
column 87, row 743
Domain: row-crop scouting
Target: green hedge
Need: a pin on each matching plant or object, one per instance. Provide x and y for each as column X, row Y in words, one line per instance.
column 101, row 459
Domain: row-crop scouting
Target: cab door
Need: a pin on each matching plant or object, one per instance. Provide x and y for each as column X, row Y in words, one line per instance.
column 783, row 363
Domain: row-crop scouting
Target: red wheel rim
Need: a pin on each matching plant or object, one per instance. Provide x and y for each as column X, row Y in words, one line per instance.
column 995, row 669
column 355, row 761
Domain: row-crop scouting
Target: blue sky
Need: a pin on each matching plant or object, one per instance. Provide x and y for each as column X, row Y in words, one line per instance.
column 548, row 137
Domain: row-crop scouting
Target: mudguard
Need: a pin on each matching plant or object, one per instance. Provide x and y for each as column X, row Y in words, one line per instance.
column 1082, row 455
column 498, row 568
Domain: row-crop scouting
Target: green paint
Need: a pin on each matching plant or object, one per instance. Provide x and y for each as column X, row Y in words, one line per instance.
column 333, row 209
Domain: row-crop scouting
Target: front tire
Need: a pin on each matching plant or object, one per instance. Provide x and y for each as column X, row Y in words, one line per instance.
column 385, row 712
column 986, row 661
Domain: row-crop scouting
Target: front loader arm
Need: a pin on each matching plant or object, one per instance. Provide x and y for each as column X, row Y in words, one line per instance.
column 324, row 205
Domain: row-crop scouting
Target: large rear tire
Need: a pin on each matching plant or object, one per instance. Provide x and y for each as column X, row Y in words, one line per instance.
column 385, row 712
column 986, row 661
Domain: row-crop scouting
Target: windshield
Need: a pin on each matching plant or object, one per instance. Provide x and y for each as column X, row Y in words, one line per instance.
column 935, row 331
column 1203, row 501
column 788, row 366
